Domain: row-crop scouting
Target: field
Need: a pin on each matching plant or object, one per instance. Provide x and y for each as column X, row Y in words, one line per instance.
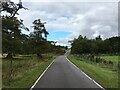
column 106, row 76
column 24, row 70
column 112, row 58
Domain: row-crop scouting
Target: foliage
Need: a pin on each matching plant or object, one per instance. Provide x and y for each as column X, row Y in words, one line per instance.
column 11, row 8
column 15, row 42
column 11, row 28
column 83, row 45
column 38, row 38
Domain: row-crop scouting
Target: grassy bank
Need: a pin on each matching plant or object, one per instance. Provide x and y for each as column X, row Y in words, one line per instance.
column 105, row 76
column 24, row 70
column 112, row 58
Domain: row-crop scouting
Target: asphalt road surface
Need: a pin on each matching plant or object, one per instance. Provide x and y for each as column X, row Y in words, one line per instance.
column 62, row 74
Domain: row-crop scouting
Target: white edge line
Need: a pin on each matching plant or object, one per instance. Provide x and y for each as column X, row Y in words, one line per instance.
column 85, row 74
column 41, row 75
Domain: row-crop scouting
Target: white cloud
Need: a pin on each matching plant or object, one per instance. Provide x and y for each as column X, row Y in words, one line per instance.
column 67, row 0
column 95, row 27
column 86, row 18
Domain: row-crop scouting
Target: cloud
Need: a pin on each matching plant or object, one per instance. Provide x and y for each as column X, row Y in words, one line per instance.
column 86, row 18
column 67, row 0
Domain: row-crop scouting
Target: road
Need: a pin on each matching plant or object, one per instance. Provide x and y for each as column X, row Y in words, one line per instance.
column 63, row 74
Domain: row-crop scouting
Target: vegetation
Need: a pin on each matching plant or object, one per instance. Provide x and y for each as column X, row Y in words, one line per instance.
column 11, row 28
column 98, row 58
column 39, row 30
column 25, row 70
column 15, row 42
column 83, row 45
column 103, row 75
column 29, row 55
column 112, row 58
column 25, row 57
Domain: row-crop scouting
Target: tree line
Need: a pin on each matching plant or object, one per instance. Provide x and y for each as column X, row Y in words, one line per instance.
column 83, row 45
column 15, row 42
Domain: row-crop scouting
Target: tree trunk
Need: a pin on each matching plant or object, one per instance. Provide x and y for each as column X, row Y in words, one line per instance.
column 9, row 56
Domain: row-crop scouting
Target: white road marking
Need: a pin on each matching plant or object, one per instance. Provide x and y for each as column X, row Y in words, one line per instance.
column 85, row 74
column 42, row 75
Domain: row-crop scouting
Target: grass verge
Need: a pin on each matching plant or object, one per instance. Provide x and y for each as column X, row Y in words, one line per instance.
column 112, row 58
column 104, row 76
column 23, row 72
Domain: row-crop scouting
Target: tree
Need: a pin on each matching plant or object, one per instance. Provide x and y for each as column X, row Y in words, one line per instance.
column 98, row 37
column 95, row 46
column 11, row 8
column 11, row 28
column 112, row 45
column 40, row 37
column 80, row 45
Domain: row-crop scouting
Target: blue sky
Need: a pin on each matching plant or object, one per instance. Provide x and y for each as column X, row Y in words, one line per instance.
column 57, row 35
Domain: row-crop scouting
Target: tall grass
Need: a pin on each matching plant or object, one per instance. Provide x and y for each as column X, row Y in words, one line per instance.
column 24, row 70
column 105, row 76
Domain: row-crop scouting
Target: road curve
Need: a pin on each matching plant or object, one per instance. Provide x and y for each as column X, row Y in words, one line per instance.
column 62, row 74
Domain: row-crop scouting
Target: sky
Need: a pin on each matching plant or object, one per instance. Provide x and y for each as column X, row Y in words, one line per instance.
column 67, row 19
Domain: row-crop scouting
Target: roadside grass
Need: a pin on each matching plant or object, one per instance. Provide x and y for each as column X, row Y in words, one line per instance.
column 105, row 76
column 113, row 66
column 24, row 70
column 112, row 58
